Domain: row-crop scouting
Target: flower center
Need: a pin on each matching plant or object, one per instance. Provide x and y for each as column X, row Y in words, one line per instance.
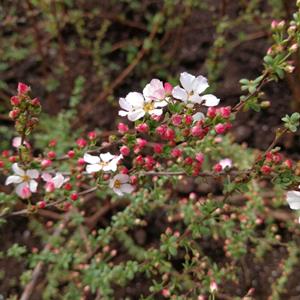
column 117, row 184
column 26, row 178
column 148, row 106
column 103, row 164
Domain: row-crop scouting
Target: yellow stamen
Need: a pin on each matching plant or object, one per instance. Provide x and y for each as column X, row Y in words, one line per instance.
column 148, row 107
column 117, row 184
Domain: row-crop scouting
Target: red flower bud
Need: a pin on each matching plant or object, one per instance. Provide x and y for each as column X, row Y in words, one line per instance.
column 46, row 163
column 211, row 112
column 41, row 204
column 158, row 148
column 168, row 88
column 81, row 143
column 13, row 114
column 188, row 120
column 176, row 120
column 35, row 102
column 200, row 157
column 217, row 168
column 188, row 160
column 68, row 186
column 288, row 163
column 176, row 152
column 74, row 196
column 265, row 169
column 51, row 154
column 15, row 101
column 80, row 161
column 92, row 135
column 197, row 131
column 225, row 111
column 1, row 164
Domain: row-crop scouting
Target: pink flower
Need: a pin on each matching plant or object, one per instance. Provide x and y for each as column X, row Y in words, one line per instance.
column 16, row 142
column 225, row 163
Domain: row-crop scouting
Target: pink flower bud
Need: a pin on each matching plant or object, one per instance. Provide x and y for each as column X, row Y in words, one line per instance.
column 168, row 88
column 71, row 153
column 81, row 143
column 142, row 128
column 166, row 293
column 139, row 160
column 49, row 187
column 176, row 120
column 125, row 150
column 133, row 179
column 176, row 152
column 188, row 119
column 122, row 128
column 211, row 112
column 220, row 128
column 51, row 154
column 200, row 158
column 265, row 169
column 92, row 135
column 188, row 160
column 155, row 117
column 23, row 88
column 217, row 168
column 41, row 204
column 213, row 287
column 288, row 163
column 80, row 161
column 1, row 164
column 169, row 134
column 141, row 142
column 274, row 24
column 15, row 101
column 12, row 159
column 13, row 114
column 158, row 148
column 225, row 112
column 196, row 131
column 46, row 163
column 160, row 130
column 35, row 102
column 68, row 186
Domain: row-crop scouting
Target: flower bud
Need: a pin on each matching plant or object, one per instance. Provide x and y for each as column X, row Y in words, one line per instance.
column 92, row 135
column 13, row 114
column 51, row 154
column 15, row 101
column 71, row 153
column 176, row 120
column 211, row 112
column 142, row 128
column 23, row 88
column 265, row 169
column 41, row 204
column 176, row 152
column 35, row 102
column 225, row 112
column 46, row 163
column 158, row 148
column 200, row 157
column 188, row 119
column 122, row 128
column 217, row 168
column 168, row 88
column 74, row 196
column 220, row 128
column 81, row 143
column 196, row 131
column 288, row 163
column 125, row 150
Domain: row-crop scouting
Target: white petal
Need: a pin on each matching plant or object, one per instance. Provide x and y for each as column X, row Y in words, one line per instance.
column 123, row 113
column 17, row 170
column 210, row 100
column 179, row 93
column 186, row 81
column 93, row 168
column 136, row 100
column 127, row 188
column 123, row 178
column 124, row 104
column 196, row 99
column 135, row 115
column 160, row 103
column 226, row 162
column 13, row 179
column 198, row 116
column 106, row 157
column 200, row 84
column 32, row 173
column 118, row 191
column 293, row 199
column 91, row 159
column 157, row 112
column 58, row 180
column 33, row 186
column 46, row 177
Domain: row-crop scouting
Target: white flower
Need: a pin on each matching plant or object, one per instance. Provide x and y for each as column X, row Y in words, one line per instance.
column 105, row 161
column 16, row 142
column 135, row 106
column 192, row 88
column 225, row 163
column 119, row 184
column 55, row 182
column 293, row 199
column 24, row 180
